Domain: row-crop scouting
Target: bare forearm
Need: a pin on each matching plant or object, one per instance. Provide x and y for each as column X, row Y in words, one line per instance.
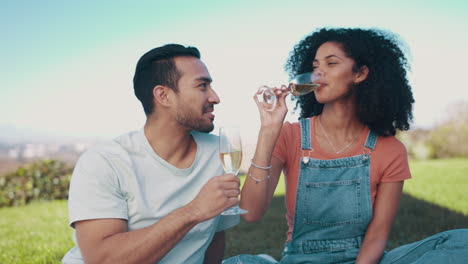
column 385, row 209
column 266, row 141
column 146, row 245
column 374, row 242
column 371, row 251
column 254, row 197
column 257, row 188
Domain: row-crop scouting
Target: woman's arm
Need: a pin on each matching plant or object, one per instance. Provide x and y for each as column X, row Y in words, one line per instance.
column 256, row 197
column 261, row 180
column 385, row 210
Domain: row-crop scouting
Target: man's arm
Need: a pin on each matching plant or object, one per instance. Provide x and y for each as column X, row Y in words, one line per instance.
column 215, row 252
column 107, row 240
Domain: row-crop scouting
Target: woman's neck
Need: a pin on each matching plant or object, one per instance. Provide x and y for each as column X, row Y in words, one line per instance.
column 338, row 128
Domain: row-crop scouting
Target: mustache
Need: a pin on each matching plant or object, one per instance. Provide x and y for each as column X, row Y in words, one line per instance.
column 208, row 108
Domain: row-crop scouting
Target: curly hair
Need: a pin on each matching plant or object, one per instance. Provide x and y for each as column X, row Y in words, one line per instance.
column 384, row 100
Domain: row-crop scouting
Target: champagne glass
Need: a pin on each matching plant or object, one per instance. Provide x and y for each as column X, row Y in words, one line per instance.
column 230, row 151
column 299, row 85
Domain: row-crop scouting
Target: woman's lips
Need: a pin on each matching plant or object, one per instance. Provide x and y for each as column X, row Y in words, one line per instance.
column 322, row 84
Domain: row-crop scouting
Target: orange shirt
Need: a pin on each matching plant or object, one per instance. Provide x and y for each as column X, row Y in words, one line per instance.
column 389, row 161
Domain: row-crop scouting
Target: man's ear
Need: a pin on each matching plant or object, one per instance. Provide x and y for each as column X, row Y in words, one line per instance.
column 163, row 95
column 362, row 74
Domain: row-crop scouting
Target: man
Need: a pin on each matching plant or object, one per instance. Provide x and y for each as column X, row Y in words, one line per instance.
column 154, row 195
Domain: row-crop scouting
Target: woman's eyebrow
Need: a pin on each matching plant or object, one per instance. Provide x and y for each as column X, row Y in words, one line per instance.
column 328, row 57
column 331, row 56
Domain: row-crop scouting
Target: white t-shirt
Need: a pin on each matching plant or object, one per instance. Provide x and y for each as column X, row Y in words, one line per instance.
column 126, row 179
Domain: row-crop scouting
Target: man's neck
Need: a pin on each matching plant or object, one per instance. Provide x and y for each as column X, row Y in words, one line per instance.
column 171, row 142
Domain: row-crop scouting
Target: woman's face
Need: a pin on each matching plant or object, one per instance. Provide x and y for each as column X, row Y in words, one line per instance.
column 336, row 75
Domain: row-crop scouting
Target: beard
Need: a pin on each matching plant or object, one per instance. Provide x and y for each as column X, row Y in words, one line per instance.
column 188, row 118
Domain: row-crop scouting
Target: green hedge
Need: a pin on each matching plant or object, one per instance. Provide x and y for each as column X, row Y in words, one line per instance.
column 41, row 180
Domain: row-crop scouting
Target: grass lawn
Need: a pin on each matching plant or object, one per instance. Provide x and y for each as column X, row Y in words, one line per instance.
column 36, row 233
column 434, row 200
column 443, row 182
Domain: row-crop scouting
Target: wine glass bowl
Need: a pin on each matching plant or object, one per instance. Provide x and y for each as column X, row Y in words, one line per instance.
column 300, row 85
column 267, row 97
column 230, row 152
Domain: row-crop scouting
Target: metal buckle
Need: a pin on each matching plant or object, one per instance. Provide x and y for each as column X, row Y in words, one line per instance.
column 306, row 158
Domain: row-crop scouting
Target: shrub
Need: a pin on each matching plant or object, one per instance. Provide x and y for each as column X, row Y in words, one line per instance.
column 417, row 144
column 447, row 139
column 450, row 140
column 41, row 180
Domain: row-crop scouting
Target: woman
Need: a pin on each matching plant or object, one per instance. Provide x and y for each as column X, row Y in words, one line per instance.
column 343, row 167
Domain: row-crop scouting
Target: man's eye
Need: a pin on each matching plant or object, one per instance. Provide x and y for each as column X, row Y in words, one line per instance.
column 332, row 63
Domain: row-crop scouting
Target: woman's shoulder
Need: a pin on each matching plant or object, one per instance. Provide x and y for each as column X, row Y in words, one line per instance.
column 390, row 143
column 291, row 125
column 295, row 124
column 390, row 153
column 290, row 130
column 391, row 159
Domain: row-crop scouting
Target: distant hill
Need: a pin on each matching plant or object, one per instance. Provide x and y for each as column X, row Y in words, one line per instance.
column 10, row 134
column 21, row 145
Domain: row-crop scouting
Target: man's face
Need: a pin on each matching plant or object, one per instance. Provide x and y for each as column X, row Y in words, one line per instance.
column 195, row 97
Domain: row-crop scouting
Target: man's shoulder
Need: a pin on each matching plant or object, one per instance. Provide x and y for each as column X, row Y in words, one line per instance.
column 120, row 146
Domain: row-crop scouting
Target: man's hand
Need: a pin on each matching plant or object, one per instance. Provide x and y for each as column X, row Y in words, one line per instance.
column 217, row 194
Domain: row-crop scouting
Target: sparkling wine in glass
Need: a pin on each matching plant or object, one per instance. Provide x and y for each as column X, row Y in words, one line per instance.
column 299, row 85
column 230, row 152
column 231, row 161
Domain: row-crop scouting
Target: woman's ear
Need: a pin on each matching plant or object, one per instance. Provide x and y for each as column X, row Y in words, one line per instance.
column 162, row 95
column 361, row 75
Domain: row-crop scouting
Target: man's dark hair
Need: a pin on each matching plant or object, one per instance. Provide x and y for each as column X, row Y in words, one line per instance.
column 384, row 99
column 157, row 67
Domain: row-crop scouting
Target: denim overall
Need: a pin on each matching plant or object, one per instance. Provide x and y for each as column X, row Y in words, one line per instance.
column 333, row 206
column 333, row 210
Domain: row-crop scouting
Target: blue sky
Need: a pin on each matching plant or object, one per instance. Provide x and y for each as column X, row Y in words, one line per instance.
column 67, row 66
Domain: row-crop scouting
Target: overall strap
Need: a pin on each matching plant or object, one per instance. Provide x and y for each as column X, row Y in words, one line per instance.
column 371, row 140
column 305, row 133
